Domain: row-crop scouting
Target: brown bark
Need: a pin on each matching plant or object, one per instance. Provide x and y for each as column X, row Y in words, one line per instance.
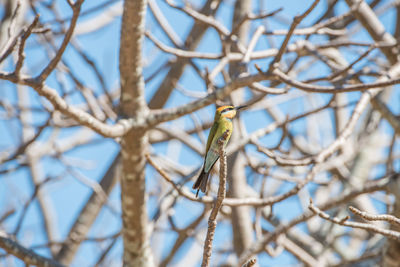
column 135, row 231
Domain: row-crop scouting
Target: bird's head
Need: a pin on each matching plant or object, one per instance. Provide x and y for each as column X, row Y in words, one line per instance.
column 228, row 112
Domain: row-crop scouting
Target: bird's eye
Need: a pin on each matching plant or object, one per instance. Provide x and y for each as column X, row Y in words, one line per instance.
column 227, row 110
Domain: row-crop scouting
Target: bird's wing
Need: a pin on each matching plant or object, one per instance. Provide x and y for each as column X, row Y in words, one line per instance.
column 213, row 151
column 211, row 136
column 211, row 157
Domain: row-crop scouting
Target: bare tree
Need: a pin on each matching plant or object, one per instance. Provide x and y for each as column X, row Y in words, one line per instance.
column 98, row 158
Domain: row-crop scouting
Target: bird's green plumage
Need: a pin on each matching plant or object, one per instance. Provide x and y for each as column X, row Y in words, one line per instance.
column 211, row 135
column 212, row 153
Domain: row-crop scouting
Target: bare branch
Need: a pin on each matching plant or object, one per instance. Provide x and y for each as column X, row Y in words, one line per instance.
column 26, row 255
column 21, row 48
column 181, row 53
column 76, row 8
column 209, row 20
column 333, row 89
column 370, row 217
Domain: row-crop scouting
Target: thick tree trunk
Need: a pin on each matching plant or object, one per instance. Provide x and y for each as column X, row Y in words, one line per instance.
column 137, row 250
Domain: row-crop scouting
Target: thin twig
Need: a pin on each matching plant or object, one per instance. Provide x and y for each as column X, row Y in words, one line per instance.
column 209, row 20
column 24, row 37
column 253, row 17
column 332, row 89
column 371, row 217
column 76, row 7
column 180, row 52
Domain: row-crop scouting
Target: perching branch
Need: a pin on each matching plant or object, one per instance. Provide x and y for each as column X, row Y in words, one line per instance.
column 212, row 221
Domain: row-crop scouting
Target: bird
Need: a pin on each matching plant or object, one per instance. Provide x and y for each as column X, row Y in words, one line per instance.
column 222, row 123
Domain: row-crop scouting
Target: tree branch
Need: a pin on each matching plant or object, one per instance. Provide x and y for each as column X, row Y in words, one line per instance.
column 76, row 8
column 28, row 256
column 370, row 217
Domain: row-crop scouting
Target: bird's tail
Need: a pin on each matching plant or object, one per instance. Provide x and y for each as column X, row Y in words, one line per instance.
column 201, row 182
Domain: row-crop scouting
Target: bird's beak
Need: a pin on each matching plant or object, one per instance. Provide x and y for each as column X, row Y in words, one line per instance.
column 240, row 107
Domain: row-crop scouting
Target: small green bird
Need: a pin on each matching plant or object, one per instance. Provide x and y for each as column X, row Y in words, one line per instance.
column 222, row 122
